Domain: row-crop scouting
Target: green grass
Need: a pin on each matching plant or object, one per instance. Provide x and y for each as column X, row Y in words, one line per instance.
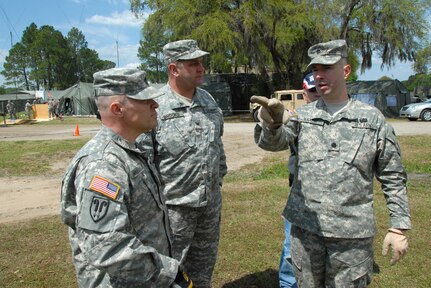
column 416, row 153
column 413, row 270
column 37, row 254
column 36, row 158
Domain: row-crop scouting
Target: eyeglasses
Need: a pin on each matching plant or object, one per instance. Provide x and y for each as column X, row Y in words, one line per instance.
column 312, row 90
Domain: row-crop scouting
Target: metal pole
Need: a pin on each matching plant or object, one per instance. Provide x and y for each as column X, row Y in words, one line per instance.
column 118, row 57
column 14, row 78
column 4, row 113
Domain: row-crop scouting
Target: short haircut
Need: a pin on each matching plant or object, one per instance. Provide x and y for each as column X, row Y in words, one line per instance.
column 103, row 102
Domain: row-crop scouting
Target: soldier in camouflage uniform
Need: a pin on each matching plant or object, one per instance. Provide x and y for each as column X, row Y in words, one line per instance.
column 28, row 109
column 110, row 198
column 10, row 107
column 285, row 271
column 341, row 144
column 190, row 157
column 51, row 109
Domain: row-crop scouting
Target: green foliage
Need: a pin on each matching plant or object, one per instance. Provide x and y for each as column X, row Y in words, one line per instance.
column 354, row 63
column 48, row 51
column 267, row 36
column 393, row 32
column 422, row 64
column 151, row 52
column 15, row 64
column 8, row 90
column 215, row 34
column 44, row 58
column 418, row 81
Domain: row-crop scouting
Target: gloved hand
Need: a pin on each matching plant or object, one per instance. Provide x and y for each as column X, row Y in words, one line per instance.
column 272, row 110
column 398, row 241
column 182, row 280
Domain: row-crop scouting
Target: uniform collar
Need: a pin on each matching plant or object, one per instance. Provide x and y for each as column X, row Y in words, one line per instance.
column 177, row 102
column 120, row 141
column 321, row 111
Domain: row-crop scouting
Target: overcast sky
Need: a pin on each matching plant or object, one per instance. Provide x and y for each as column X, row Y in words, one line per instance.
column 104, row 23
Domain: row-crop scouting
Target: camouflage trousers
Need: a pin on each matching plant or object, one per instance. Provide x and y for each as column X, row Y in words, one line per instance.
column 195, row 238
column 331, row 262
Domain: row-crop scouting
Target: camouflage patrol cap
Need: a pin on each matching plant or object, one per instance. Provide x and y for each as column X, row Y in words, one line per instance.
column 182, row 50
column 327, row 53
column 130, row 82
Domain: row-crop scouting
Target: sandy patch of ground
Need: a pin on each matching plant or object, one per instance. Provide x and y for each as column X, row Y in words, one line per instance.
column 23, row 198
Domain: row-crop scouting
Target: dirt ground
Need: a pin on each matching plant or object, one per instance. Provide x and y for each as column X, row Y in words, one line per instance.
column 23, row 198
column 28, row 197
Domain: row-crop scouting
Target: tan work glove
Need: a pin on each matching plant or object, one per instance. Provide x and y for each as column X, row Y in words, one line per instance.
column 272, row 110
column 398, row 241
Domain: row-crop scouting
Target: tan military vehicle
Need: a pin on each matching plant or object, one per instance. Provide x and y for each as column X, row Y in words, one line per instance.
column 291, row 99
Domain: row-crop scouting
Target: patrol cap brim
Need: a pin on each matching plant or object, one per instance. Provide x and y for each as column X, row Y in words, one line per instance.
column 146, row 94
column 193, row 55
column 325, row 60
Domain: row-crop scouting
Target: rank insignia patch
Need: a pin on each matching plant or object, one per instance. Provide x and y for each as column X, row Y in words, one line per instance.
column 105, row 187
column 99, row 207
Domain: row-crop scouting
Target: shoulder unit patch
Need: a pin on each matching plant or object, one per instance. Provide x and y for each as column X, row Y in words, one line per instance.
column 99, row 208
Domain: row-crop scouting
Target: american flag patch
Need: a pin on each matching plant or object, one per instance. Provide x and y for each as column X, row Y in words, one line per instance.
column 105, row 187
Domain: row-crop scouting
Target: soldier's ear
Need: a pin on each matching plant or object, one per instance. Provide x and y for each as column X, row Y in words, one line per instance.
column 172, row 68
column 116, row 108
column 347, row 70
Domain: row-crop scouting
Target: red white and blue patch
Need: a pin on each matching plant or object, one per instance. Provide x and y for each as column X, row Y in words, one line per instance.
column 105, row 187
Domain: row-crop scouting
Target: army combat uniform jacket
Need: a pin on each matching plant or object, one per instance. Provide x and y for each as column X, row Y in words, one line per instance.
column 188, row 147
column 337, row 159
column 117, row 217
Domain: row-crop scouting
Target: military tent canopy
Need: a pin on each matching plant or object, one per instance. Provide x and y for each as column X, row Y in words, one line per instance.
column 77, row 100
column 386, row 95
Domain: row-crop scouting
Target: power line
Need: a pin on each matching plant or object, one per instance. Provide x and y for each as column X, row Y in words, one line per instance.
column 8, row 23
column 78, row 63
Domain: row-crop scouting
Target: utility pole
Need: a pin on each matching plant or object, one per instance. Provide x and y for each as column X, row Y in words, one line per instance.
column 4, row 113
column 14, row 78
column 118, row 57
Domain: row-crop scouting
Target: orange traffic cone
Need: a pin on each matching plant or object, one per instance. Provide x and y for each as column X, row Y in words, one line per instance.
column 76, row 131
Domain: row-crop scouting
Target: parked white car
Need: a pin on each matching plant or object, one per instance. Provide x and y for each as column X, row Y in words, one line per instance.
column 415, row 111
